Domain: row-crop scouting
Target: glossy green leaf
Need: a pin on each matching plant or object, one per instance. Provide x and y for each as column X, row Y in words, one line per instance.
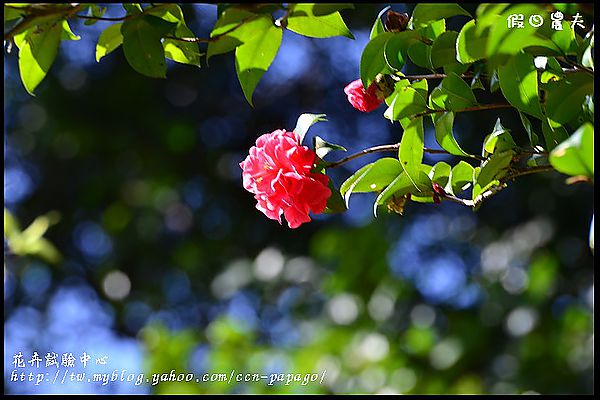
column 443, row 50
column 533, row 137
column 372, row 60
column 491, row 171
column 396, row 49
column 518, row 82
column 553, row 133
column 499, row 140
column 565, row 98
column 38, row 48
column 378, row 27
column 322, row 147
column 443, row 123
column 109, row 40
column 142, row 44
column 371, row 178
column 253, row 58
column 419, row 184
column 133, row 8
column 67, row 33
column 575, row 156
column 471, row 44
column 453, row 94
column 95, row 11
column 420, row 54
column 511, row 40
column 329, row 8
column 182, row 52
column 424, row 13
column 335, row 202
column 461, row 175
column 433, row 30
column 305, row 121
column 233, row 28
column 177, row 50
column 302, row 20
column 406, row 102
column 440, row 173
column 410, row 153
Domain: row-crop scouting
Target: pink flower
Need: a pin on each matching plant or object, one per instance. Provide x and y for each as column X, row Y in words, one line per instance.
column 361, row 99
column 278, row 172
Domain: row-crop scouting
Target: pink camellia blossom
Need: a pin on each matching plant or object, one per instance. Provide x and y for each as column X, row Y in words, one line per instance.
column 278, row 172
column 361, row 99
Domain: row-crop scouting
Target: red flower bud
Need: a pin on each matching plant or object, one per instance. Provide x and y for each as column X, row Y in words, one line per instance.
column 361, row 99
column 438, row 189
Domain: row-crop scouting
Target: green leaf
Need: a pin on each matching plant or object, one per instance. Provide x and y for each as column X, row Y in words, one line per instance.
column 241, row 26
column 302, row 20
column 575, row 156
column 443, row 51
column 133, row 8
column 371, row 178
column 565, row 98
column 335, row 202
column 511, row 40
column 326, row 9
column 11, row 225
column 109, row 40
column 453, row 94
column 38, row 48
column 471, row 44
column 425, row 13
column 518, row 82
column 403, row 184
column 533, row 137
column 433, row 30
column 420, row 54
column 11, row 14
column 378, row 27
column 395, row 49
column 67, row 33
column 440, row 173
column 461, row 175
column 443, row 123
column 142, row 44
column 372, row 60
column 182, row 52
column 177, row 50
column 253, row 58
column 553, row 133
column 305, row 121
column 491, row 171
column 95, row 11
column 406, row 102
column 499, row 140
column 410, row 153
column 322, row 147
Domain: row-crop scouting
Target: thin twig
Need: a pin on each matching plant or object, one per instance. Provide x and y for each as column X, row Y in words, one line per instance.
column 475, row 108
column 126, row 17
column 387, row 147
column 212, row 38
column 27, row 19
column 578, row 67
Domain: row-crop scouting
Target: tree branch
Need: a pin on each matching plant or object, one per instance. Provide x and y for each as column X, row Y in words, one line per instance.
column 124, row 18
column 383, row 148
column 475, row 108
column 36, row 13
column 212, row 38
